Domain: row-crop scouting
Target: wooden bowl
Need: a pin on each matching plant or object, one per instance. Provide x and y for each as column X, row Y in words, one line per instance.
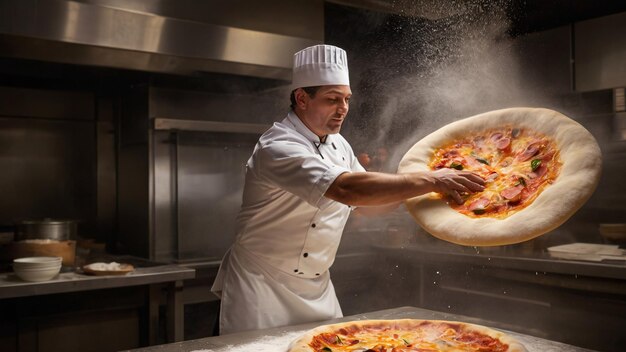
column 40, row 248
column 613, row 232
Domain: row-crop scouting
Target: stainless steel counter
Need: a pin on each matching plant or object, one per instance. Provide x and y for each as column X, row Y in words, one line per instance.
column 499, row 257
column 12, row 286
column 280, row 337
column 156, row 277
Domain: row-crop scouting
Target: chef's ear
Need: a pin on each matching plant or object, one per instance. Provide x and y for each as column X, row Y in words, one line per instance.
column 302, row 98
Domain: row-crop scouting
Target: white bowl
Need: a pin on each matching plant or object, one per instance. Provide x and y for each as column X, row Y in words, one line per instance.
column 34, row 266
column 37, row 268
column 37, row 260
column 37, row 274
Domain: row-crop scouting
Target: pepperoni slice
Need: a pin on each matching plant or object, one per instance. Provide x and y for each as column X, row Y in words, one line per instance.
column 530, row 151
column 503, row 143
column 547, row 156
column 513, row 194
column 496, row 136
column 479, row 205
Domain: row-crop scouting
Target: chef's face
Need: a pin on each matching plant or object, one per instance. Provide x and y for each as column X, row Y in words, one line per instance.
column 325, row 112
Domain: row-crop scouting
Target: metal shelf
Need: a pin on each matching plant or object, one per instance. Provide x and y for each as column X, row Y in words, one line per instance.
column 161, row 123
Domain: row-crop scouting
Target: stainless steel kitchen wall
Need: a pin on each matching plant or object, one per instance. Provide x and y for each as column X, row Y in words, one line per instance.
column 200, row 144
column 45, row 154
column 133, row 173
column 600, row 53
column 206, row 184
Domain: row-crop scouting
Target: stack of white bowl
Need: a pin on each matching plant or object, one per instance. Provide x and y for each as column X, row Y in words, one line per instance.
column 37, row 268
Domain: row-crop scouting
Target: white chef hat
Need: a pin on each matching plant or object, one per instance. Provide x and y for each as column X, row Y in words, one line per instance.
column 320, row 65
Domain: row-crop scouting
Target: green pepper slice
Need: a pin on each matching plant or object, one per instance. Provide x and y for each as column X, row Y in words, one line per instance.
column 535, row 164
column 481, row 160
column 456, row 165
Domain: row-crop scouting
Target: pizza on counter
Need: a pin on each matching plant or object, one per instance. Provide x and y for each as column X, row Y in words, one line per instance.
column 539, row 166
column 405, row 335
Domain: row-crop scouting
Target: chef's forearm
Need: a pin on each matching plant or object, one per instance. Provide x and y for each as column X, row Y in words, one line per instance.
column 375, row 188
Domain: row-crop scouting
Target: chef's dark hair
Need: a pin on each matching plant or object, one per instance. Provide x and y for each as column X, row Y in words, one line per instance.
column 311, row 91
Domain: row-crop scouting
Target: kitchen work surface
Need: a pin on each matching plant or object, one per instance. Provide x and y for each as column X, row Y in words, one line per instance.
column 11, row 286
column 527, row 261
column 588, row 251
column 156, row 277
column 277, row 339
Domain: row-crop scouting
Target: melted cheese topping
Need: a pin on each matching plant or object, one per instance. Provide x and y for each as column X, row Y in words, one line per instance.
column 517, row 165
column 425, row 336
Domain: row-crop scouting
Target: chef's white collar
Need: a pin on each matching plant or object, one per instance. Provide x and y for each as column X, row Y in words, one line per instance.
column 305, row 131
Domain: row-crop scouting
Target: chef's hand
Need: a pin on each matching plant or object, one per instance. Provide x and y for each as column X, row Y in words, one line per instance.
column 449, row 181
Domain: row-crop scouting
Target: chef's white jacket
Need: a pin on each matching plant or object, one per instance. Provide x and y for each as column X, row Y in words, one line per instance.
column 276, row 272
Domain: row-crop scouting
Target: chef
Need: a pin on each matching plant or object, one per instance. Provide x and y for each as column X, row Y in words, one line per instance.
column 302, row 182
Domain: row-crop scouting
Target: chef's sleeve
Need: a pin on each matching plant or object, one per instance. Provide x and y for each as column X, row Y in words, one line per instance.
column 294, row 168
column 356, row 165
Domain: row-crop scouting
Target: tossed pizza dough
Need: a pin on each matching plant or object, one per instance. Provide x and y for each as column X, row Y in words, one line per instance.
column 302, row 343
column 578, row 178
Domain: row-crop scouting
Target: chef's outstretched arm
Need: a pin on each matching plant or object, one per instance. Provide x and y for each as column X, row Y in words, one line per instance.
column 375, row 188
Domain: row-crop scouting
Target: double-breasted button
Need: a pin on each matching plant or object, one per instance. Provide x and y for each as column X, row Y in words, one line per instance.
column 313, row 225
column 305, row 255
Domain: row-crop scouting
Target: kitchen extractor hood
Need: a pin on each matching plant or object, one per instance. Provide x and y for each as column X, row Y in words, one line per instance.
column 429, row 9
column 169, row 36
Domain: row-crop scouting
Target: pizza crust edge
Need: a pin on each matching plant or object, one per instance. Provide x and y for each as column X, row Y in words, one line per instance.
column 301, row 344
column 576, row 182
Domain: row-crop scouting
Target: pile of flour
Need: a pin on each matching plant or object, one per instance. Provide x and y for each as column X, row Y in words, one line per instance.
column 113, row 266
